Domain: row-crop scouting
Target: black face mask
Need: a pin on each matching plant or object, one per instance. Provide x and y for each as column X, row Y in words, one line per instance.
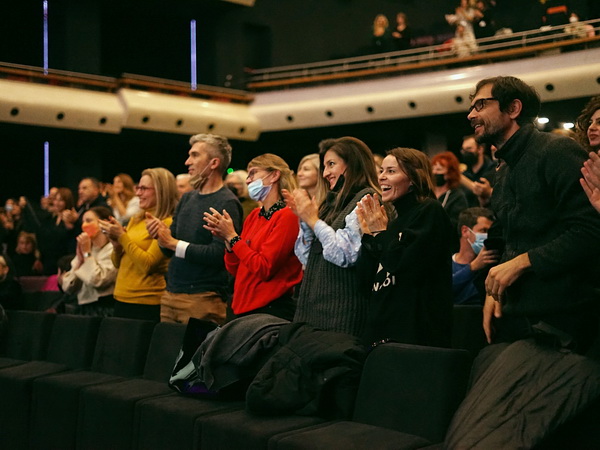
column 470, row 159
column 339, row 183
column 332, row 194
column 233, row 189
column 439, row 179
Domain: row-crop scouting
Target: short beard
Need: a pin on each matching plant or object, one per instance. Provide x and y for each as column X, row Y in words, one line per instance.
column 490, row 138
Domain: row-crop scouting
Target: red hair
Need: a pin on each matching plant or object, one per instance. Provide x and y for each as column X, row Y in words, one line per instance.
column 449, row 160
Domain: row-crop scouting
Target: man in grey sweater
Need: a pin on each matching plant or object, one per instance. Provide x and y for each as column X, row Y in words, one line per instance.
column 197, row 280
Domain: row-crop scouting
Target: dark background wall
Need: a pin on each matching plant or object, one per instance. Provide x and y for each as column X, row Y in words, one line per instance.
column 151, row 37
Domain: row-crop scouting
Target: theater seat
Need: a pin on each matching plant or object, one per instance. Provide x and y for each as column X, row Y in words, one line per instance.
column 71, row 346
column 26, row 337
column 406, row 399
column 120, row 353
column 111, row 406
column 170, row 421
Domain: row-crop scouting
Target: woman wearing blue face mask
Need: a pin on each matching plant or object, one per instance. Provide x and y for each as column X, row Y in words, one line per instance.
column 262, row 258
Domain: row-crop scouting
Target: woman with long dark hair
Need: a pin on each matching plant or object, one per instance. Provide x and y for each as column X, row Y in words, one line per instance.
column 329, row 239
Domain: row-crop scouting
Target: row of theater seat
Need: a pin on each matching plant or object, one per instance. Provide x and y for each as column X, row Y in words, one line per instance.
column 88, row 383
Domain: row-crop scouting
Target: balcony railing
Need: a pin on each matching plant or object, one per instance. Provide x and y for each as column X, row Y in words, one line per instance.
column 496, row 48
column 53, row 77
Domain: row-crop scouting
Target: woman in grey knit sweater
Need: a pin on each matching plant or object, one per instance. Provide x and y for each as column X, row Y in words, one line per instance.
column 330, row 238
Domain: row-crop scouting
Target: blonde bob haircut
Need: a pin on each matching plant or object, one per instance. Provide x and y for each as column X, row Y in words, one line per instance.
column 166, row 192
column 272, row 163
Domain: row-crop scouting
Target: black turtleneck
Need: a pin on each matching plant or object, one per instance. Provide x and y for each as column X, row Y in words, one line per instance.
column 408, row 271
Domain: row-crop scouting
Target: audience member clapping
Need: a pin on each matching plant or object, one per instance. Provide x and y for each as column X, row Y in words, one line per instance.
column 92, row 275
column 588, row 132
column 405, row 257
column 329, row 239
column 142, row 265
column 236, row 181
column 262, row 258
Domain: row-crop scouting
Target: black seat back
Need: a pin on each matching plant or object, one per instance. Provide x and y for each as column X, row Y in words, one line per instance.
column 73, row 340
column 122, row 346
column 27, row 335
column 164, row 348
column 412, row 389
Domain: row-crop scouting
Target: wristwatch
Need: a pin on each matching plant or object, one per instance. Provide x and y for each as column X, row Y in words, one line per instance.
column 87, row 254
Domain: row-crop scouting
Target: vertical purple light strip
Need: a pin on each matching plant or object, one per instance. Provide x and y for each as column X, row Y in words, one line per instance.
column 194, row 83
column 46, row 168
column 45, row 6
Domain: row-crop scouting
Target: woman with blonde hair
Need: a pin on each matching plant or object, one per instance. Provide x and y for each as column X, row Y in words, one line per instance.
column 142, row 265
column 125, row 204
column 262, row 258
column 309, row 177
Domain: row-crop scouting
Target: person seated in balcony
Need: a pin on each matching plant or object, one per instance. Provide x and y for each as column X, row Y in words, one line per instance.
column 402, row 33
column 464, row 14
column 463, row 43
column 578, row 30
column 382, row 37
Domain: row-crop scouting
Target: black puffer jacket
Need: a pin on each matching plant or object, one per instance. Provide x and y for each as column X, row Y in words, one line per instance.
column 316, row 372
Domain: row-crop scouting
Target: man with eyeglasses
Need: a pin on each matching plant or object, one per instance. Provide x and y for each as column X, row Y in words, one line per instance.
column 541, row 305
column 197, row 282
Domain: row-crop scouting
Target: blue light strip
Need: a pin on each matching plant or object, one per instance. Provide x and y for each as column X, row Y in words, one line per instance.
column 194, row 83
column 45, row 6
column 46, row 168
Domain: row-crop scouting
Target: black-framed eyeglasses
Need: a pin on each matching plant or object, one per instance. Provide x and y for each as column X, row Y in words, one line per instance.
column 480, row 104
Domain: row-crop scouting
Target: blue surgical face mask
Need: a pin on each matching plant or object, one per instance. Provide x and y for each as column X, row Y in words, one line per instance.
column 477, row 245
column 258, row 191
